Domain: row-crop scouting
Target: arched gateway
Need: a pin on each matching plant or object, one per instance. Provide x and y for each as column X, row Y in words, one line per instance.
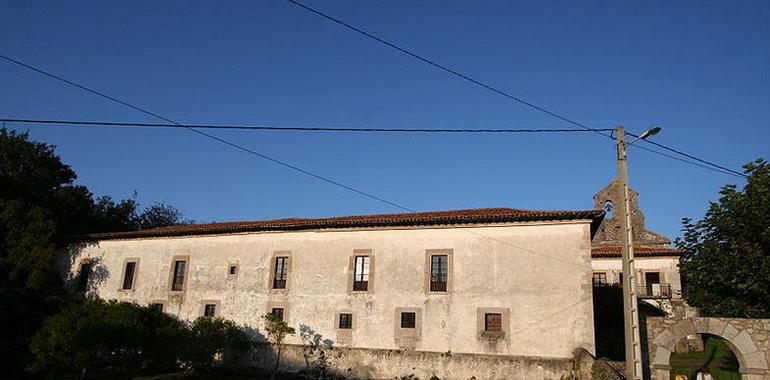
column 749, row 339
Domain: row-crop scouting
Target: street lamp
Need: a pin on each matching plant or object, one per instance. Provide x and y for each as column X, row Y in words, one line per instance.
column 630, row 304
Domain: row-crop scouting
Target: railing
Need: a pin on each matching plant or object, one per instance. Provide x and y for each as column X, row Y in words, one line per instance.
column 661, row 290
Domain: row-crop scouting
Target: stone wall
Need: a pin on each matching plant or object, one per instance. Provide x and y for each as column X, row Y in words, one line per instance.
column 749, row 339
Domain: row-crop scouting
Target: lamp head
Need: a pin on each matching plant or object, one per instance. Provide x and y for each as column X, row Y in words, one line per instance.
column 650, row 132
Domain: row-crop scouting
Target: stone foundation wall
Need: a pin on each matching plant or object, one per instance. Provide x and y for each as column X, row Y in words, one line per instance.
column 361, row 363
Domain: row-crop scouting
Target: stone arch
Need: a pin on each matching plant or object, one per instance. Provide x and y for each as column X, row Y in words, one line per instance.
column 748, row 338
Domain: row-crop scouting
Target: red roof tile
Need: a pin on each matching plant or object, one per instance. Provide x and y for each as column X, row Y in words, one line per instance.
column 614, row 251
column 471, row 216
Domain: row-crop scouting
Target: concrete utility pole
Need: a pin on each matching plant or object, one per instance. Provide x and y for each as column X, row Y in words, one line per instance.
column 630, row 305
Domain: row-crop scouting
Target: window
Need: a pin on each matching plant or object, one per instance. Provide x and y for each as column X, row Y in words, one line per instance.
column 157, row 306
column 361, row 274
column 277, row 312
column 209, row 310
column 180, row 267
column 407, row 320
column 493, row 322
column 346, row 321
column 438, row 272
column 609, row 209
column 233, row 270
column 600, row 279
column 279, row 274
column 83, row 276
column 128, row 275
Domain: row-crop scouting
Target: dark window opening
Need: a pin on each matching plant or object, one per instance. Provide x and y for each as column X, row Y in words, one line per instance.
column 438, row 273
column 180, row 266
column 493, row 322
column 128, row 275
column 346, row 321
column 209, row 310
column 157, row 306
column 83, row 276
column 233, row 269
column 407, row 320
column 361, row 274
column 278, row 313
column 279, row 274
column 600, row 279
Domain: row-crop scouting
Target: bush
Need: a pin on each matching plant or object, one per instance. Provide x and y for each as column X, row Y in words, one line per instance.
column 210, row 339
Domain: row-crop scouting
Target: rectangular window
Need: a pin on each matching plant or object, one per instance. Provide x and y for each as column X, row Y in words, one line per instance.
column 157, row 306
column 128, row 275
column 361, row 274
column 279, row 276
column 407, row 320
column 83, row 276
column 346, row 321
column 209, row 310
column 278, row 313
column 600, row 279
column 439, row 269
column 180, row 267
column 493, row 322
column 233, row 270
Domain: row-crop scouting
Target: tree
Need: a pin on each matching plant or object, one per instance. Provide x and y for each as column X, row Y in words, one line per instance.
column 277, row 330
column 210, row 339
column 726, row 265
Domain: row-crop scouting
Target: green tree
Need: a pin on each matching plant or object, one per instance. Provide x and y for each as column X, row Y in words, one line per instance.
column 209, row 339
column 726, row 266
column 277, row 330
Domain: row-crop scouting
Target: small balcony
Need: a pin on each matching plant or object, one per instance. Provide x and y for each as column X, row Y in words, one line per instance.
column 655, row 290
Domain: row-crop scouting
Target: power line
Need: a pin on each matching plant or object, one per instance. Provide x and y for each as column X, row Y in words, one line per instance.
column 277, row 128
column 207, row 135
column 714, row 167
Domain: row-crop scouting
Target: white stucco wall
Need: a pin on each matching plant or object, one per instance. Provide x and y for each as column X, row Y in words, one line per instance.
column 540, row 271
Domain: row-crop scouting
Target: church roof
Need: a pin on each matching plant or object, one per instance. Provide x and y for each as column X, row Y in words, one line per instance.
column 451, row 217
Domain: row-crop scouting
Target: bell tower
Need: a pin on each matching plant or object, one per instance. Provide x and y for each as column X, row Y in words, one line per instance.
column 609, row 232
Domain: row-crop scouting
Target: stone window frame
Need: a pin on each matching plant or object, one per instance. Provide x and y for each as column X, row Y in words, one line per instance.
column 505, row 319
column 352, row 271
column 345, row 336
column 230, row 265
column 122, row 280
column 288, row 264
column 449, row 252
column 217, row 307
column 174, row 259
column 279, row 305
column 407, row 337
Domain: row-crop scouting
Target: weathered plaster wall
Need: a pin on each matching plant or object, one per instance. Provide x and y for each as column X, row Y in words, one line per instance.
column 539, row 272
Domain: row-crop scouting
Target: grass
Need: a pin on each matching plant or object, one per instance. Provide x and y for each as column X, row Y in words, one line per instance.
column 716, row 357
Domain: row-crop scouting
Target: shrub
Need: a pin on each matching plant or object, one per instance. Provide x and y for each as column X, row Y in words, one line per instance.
column 211, row 338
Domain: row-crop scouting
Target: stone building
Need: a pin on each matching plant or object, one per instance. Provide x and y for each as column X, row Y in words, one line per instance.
column 490, row 293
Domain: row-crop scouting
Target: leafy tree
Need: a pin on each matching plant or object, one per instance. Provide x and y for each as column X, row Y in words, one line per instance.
column 277, row 330
column 726, row 267
column 107, row 337
column 211, row 338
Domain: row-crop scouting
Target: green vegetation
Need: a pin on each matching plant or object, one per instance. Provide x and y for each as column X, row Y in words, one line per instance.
column 277, row 330
column 716, row 357
column 726, row 266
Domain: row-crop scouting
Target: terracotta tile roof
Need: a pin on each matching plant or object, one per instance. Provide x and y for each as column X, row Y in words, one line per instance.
column 471, row 216
column 639, row 251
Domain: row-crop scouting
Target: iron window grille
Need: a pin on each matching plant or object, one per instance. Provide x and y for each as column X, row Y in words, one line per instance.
column 439, row 273
column 408, row 320
column 128, row 275
column 346, row 321
column 180, row 267
column 279, row 274
column 361, row 274
column 493, row 322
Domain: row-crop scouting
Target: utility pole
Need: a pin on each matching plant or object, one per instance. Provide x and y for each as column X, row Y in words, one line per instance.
column 630, row 305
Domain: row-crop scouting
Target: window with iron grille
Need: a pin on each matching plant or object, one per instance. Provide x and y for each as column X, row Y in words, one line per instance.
column 279, row 274
column 346, row 321
column 493, row 322
column 128, row 275
column 600, row 279
column 277, row 312
column 157, row 306
column 361, row 274
column 180, row 267
column 83, row 276
column 439, row 272
column 407, row 320
column 209, row 310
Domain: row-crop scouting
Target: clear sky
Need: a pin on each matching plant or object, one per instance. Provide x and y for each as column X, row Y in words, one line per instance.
column 700, row 70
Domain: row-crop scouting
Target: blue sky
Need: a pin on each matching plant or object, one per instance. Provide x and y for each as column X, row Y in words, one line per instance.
column 700, row 70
